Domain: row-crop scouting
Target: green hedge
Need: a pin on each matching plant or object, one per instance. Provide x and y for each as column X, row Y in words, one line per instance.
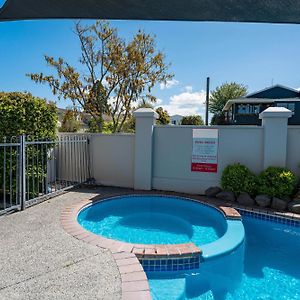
column 22, row 113
column 238, row 178
column 276, row 182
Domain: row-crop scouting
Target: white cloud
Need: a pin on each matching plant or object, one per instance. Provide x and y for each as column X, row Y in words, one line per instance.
column 158, row 102
column 187, row 103
column 169, row 84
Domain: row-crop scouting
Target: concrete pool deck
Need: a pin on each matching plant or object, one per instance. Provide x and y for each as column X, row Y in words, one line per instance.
column 39, row 260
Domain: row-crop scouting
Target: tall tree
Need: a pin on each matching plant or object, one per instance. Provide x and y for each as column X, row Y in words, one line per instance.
column 115, row 73
column 221, row 95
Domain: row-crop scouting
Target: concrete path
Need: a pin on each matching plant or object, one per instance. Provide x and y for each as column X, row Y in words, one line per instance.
column 39, row 260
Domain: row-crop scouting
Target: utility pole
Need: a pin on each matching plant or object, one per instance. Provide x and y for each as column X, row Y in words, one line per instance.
column 207, row 101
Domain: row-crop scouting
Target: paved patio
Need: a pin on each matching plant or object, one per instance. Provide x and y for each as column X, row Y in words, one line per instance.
column 39, row 260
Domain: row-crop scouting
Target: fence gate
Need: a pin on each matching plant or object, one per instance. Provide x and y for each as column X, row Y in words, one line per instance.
column 32, row 170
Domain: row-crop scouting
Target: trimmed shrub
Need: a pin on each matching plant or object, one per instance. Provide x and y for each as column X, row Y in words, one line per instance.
column 237, row 179
column 276, row 182
column 22, row 113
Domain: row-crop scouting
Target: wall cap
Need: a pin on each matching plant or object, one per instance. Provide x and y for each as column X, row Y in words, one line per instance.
column 145, row 113
column 276, row 112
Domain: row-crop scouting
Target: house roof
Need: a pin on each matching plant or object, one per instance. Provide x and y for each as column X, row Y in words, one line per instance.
column 229, row 103
column 271, row 94
column 277, row 91
column 270, row 11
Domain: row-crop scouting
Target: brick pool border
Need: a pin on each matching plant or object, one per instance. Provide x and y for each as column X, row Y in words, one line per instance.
column 130, row 257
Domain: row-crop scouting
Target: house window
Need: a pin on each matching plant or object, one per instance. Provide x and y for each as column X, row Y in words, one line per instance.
column 248, row 109
column 288, row 105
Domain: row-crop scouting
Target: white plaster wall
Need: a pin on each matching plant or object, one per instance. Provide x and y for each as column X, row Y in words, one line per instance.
column 293, row 149
column 172, row 149
column 112, row 159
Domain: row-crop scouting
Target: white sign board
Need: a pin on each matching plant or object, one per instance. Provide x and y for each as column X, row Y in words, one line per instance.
column 205, row 150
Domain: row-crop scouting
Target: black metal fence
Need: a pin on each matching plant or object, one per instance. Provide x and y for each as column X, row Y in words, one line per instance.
column 32, row 170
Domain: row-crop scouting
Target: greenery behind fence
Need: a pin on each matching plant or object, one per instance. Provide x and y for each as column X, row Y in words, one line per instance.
column 21, row 113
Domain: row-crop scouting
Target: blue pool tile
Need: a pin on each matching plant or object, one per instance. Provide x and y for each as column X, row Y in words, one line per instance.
column 145, row 262
column 169, row 262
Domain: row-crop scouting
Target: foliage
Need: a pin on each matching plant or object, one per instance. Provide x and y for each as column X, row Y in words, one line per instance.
column 70, row 122
column 107, row 127
column 218, row 119
column 144, row 104
column 163, row 116
column 129, row 125
column 115, row 73
column 192, row 120
column 276, row 182
column 238, row 178
column 220, row 96
column 22, row 113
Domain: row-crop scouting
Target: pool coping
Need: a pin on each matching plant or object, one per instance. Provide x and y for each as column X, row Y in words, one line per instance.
column 133, row 277
column 134, row 280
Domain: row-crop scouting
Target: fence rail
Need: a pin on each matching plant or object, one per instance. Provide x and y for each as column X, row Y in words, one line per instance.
column 31, row 169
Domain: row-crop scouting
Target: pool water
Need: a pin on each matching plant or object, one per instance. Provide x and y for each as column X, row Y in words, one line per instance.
column 269, row 269
column 154, row 220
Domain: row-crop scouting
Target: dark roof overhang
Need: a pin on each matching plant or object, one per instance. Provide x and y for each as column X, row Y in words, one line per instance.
column 270, row 11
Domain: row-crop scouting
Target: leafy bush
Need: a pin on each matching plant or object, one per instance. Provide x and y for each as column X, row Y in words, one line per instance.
column 22, row 113
column 237, row 179
column 276, row 182
column 192, row 120
column 70, row 122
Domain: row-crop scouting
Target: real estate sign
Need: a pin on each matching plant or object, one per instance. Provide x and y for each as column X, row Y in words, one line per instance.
column 205, row 150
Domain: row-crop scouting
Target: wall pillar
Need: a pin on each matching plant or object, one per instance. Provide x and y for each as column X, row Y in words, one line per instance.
column 275, row 124
column 144, row 120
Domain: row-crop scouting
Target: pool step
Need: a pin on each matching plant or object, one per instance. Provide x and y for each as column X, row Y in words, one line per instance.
column 165, row 251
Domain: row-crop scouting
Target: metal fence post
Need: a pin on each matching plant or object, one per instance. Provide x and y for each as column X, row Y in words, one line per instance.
column 22, row 171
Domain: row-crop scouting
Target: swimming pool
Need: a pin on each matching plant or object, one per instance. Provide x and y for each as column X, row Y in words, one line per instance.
column 271, row 270
column 154, row 220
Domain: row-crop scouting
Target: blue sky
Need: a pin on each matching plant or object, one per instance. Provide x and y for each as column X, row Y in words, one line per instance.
column 253, row 54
